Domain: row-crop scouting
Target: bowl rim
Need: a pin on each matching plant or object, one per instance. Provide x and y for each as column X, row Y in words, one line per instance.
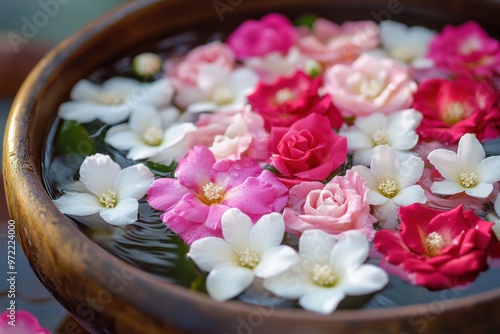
column 19, row 166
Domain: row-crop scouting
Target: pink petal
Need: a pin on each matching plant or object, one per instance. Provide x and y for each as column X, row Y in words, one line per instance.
column 194, row 170
column 165, row 193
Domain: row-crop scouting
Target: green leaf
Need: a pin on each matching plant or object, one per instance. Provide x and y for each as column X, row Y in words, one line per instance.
column 162, row 170
column 73, row 139
column 306, row 20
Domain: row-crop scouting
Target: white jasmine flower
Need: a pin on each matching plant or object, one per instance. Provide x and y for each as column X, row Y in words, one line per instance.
column 151, row 134
column 329, row 270
column 396, row 130
column 147, row 64
column 219, row 89
column 392, row 183
column 467, row 170
column 247, row 251
column 406, row 44
column 114, row 100
column 111, row 191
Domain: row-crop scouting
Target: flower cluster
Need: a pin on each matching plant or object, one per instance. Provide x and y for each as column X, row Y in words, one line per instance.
column 298, row 151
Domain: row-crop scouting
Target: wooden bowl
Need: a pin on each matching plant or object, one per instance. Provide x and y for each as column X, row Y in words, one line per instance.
column 107, row 295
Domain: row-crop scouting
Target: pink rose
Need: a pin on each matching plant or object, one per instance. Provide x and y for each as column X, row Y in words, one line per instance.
column 25, row 323
column 309, row 150
column 329, row 43
column 335, row 207
column 369, row 85
column 454, row 108
column 184, row 72
column 289, row 99
column 466, row 49
column 437, row 249
column 274, row 32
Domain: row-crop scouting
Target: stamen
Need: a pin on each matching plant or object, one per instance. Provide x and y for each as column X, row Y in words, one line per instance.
column 153, row 136
column 324, row 276
column 468, row 179
column 388, row 188
column 454, row 113
column 371, row 88
column 212, row 192
column 111, row 98
column 284, row 95
column 380, row 137
column 108, row 199
column 433, row 243
column 249, row 258
column 223, row 95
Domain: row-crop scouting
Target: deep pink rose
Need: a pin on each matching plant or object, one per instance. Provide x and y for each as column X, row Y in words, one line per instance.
column 329, row 43
column 204, row 189
column 289, row 99
column 335, row 207
column 452, row 108
column 274, row 32
column 25, row 323
column 465, row 49
column 309, row 150
column 437, row 249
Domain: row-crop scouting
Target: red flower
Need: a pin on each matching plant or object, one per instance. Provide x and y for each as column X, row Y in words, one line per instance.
column 438, row 249
column 453, row 108
column 466, row 49
column 308, row 150
column 289, row 99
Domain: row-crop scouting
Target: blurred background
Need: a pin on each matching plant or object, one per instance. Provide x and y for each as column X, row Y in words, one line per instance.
column 28, row 29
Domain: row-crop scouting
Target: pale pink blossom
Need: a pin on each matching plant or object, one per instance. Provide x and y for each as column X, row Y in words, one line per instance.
column 369, row 85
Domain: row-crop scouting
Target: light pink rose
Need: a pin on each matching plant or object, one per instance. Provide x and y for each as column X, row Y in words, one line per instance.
column 369, row 85
column 335, row 207
column 232, row 135
column 184, row 73
column 329, row 43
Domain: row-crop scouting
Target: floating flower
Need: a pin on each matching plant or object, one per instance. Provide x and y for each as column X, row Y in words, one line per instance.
column 452, row 108
column 329, row 270
column 114, row 100
column 437, row 249
column 392, row 183
column 147, row 64
column 396, row 130
column 232, row 135
column 338, row 206
column 329, row 43
column 193, row 203
column 274, row 32
column 151, row 134
column 369, row 85
column 465, row 49
column 24, row 323
column 467, row 170
column 406, row 44
column 289, row 99
column 246, row 251
column 112, row 192
column 218, row 89
column 307, row 151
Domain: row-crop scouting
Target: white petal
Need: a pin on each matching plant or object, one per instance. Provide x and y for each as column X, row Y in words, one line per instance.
column 176, row 133
column 124, row 213
column 268, row 232
column 316, row 246
column 322, row 300
column 470, row 151
column 447, row 187
column 98, row 173
column 85, row 90
column 275, row 261
column 375, row 198
column 366, row 174
column 169, row 116
column 489, row 170
column 121, row 137
column 236, row 227
column 356, row 139
column 121, row 84
column 227, row 281
column 405, row 120
column 497, row 205
column 291, row 284
column 387, row 215
column 242, row 79
column 410, row 172
column 158, row 93
column 364, row 280
column 78, row 204
column 403, row 140
column 482, row 190
column 362, row 156
column 410, row 195
column 210, row 252
column 143, row 118
column 350, row 251
column 446, row 162
column 370, row 124
column 133, row 182
column 385, row 163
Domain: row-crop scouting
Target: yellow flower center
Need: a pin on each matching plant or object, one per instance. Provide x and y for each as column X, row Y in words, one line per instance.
column 324, row 276
column 213, row 193
column 153, row 136
column 468, row 179
column 249, row 257
column 454, row 113
column 371, row 88
column 380, row 137
column 388, row 188
column 223, row 95
column 433, row 243
column 111, row 98
column 108, row 199
column 402, row 54
column 284, row 95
